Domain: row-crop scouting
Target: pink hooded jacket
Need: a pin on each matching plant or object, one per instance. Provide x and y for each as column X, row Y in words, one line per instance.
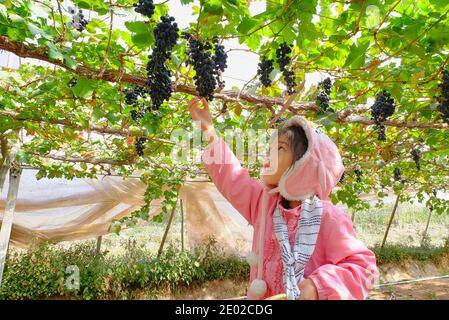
column 341, row 266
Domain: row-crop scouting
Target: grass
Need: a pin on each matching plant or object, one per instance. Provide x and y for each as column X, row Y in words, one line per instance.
column 407, row 227
column 398, row 253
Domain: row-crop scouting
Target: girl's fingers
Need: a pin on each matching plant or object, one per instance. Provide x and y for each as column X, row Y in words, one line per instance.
column 193, row 102
column 205, row 104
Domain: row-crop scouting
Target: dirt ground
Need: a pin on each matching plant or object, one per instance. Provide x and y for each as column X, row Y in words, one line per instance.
column 423, row 290
column 436, row 289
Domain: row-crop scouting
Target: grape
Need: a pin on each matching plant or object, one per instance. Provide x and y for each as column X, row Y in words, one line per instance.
column 342, row 177
column 381, row 132
column 158, row 81
column 220, row 58
column 264, row 70
column 322, row 99
column 359, row 174
column 278, row 121
column 283, row 59
column 136, row 115
column 166, row 35
column 78, row 22
column 131, row 95
column 397, row 174
column 443, row 106
column 381, row 110
column 140, row 146
column 416, row 155
column 131, row 99
column 72, row 82
column 327, row 85
column 145, row 7
column 201, row 60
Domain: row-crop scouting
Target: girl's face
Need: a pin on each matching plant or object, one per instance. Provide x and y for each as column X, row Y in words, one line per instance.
column 277, row 162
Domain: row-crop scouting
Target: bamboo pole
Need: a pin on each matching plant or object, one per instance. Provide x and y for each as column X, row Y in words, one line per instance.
column 5, row 161
column 391, row 220
column 170, row 219
column 182, row 226
column 97, row 251
column 5, row 231
column 427, row 226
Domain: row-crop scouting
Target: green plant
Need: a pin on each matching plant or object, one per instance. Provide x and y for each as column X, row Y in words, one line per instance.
column 396, row 253
column 41, row 271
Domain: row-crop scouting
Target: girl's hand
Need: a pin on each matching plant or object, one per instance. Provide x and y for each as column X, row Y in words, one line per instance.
column 201, row 115
column 308, row 290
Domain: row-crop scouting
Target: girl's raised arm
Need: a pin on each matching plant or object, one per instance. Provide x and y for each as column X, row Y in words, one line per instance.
column 231, row 179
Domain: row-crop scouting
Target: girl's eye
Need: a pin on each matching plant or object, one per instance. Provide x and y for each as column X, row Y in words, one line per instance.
column 280, row 148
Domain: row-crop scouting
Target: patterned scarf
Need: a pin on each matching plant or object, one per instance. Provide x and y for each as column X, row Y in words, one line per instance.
column 305, row 240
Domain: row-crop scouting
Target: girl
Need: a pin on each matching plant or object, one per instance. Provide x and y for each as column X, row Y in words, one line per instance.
column 303, row 245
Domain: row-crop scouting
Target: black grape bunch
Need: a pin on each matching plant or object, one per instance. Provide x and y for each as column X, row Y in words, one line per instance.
column 145, row 8
column 397, row 174
column 208, row 67
column 140, row 146
column 279, row 121
column 72, row 82
column 359, row 174
column 283, row 59
column 265, row 67
column 381, row 110
column 220, row 58
column 78, row 21
column 443, row 99
column 434, row 192
column 342, row 179
column 166, row 35
column 131, row 98
column 322, row 99
column 416, row 156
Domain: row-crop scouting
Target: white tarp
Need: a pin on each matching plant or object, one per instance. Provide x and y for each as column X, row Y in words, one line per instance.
column 59, row 210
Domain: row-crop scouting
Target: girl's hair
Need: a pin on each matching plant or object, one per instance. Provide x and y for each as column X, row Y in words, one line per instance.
column 297, row 140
